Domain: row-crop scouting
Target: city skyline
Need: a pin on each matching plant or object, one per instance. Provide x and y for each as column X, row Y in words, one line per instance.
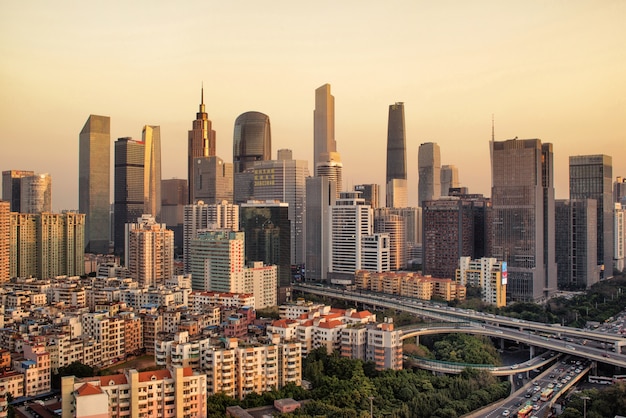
column 551, row 71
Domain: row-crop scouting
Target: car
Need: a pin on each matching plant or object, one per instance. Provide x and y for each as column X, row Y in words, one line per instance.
column 506, row 413
column 535, row 407
column 528, row 395
column 551, row 385
column 515, row 366
column 606, row 355
column 568, row 378
column 534, row 398
column 559, row 385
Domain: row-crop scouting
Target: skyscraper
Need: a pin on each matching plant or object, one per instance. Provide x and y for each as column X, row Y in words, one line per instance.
column 369, row 192
column 213, row 180
column 321, row 193
column 151, row 136
column 36, row 193
column 149, row 251
column 201, row 143
column 252, row 140
column 128, row 203
column 284, row 179
column 94, row 171
column 523, row 216
column 323, row 125
column 429, row 166
column 11, row 187
column 174, row 195
column 449, row 179
column 591, row 177
column 392, row 225
column 396, row 158
column 619, row 190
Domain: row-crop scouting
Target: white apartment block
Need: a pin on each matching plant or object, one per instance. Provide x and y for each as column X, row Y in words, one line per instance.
column 149, row 251
column 620, row 237
column 199, row 299
column 488, row 275
column 108, row 331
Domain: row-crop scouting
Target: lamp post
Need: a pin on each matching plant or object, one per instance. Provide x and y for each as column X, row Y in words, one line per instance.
column 371, row 398
column 585, row 399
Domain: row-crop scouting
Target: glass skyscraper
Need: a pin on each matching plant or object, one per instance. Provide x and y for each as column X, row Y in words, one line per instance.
column 396, row 158
column 201, row 143
column 429, row 167
column 151, row 137
column 94, row 172
column 252, row 140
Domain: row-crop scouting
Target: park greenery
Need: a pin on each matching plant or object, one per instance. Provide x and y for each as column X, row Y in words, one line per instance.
column 609, row 402
column 456, row 348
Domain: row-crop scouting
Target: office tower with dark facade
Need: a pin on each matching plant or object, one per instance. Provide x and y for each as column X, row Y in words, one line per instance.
column 619, row 190
column 576, row 243
column 174, row 195
column 94, row 172
column 429, row 168
column 369, row 192
column 12, row 186
column 591, row 177
column 201, row 143
column 321, row 193
column 284, row 180
column 151, row 137
column 128, row 204
column 522, row 196
column 268, row 238
column 214, row 180
column 252, row 141
column 453, row 227
column 396, row 180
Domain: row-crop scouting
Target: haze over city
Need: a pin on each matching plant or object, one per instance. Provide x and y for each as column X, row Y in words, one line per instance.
column 548, row 70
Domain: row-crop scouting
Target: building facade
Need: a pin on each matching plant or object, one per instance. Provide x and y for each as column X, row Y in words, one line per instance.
column 320, row 196
column 449, row 179
column 200, row 143
column 174, row 195
column 12, row 187
column 429, row 168
column 151, row 137
column 5, row 240
column 487, row 274
column 36, row 193
column 252, row 140
column 213, row 180
column 397, row 195
column 149, row 251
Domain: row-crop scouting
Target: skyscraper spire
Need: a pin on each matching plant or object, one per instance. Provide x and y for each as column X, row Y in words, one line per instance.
column 202, row 99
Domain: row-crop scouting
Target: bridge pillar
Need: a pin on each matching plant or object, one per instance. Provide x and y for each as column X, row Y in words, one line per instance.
column 501, row 343
column 532, row 351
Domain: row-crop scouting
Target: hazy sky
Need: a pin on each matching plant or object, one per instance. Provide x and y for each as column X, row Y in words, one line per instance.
column 554, row 70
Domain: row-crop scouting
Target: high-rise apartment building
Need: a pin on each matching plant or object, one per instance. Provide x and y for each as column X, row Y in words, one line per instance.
column 46, row 245
column 576, row 242
column 284, row 180
column 94, row 195
column 522, row 196
column 429, row 166
column 5, row 222
column 128, row 203
column 453, row 227
column 213, row 180
column 36, row 193
column 487, row 274
column 393, row 225
column 321, row 194
column 449, row 179
column 396, row 183
column 149, row 251
column 201, row 143
column 12, row 186
column 217, row 261
column 174, row 195
column 151, row 137
column 369, row 192
column 267, row 230
column 591, row 177
column 201, row 216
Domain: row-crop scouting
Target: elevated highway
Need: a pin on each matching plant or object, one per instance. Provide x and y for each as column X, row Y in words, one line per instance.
column 508, row 328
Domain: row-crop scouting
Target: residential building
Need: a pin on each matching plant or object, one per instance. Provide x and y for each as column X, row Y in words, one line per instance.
column 396, row 180
column 217, row 261
column 522, row 196
column 35, row 365
column 36, row 193
column 487, row 274
column 409, row 284
column 149, row 251
column 620, row 237
column 5, row 240
column 591, row 177
column 94, row 182
column 429, row 166
column 394, row 226
column 379, row 343
column 284, row 180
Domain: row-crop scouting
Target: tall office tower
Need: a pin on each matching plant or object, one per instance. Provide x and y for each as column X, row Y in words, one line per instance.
column 213, row 180
column 369, row 192
column 576, row 242
column 268, row 238
column 46, row 245
column 375, row 255
column 351, row 220
column 591, row 177
column 174, row 195
column 151, row 136
column 392, row 225
column 453, row 228
column 149, row 251
column 284, row 179
column 396, row 183
column 522, row 196
column 94, row 173
column 619, row 190
column 217, row 261
column 252, row 140
column 201, row 216
column 429, row 166
column 201, row 143
column 331, row 168
column 620, row 237
column 449, row 179
column 11, row 187
column 128, row 201
column 323, row 125
column 5, row 223
column 321, row 194
column 36, row 193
